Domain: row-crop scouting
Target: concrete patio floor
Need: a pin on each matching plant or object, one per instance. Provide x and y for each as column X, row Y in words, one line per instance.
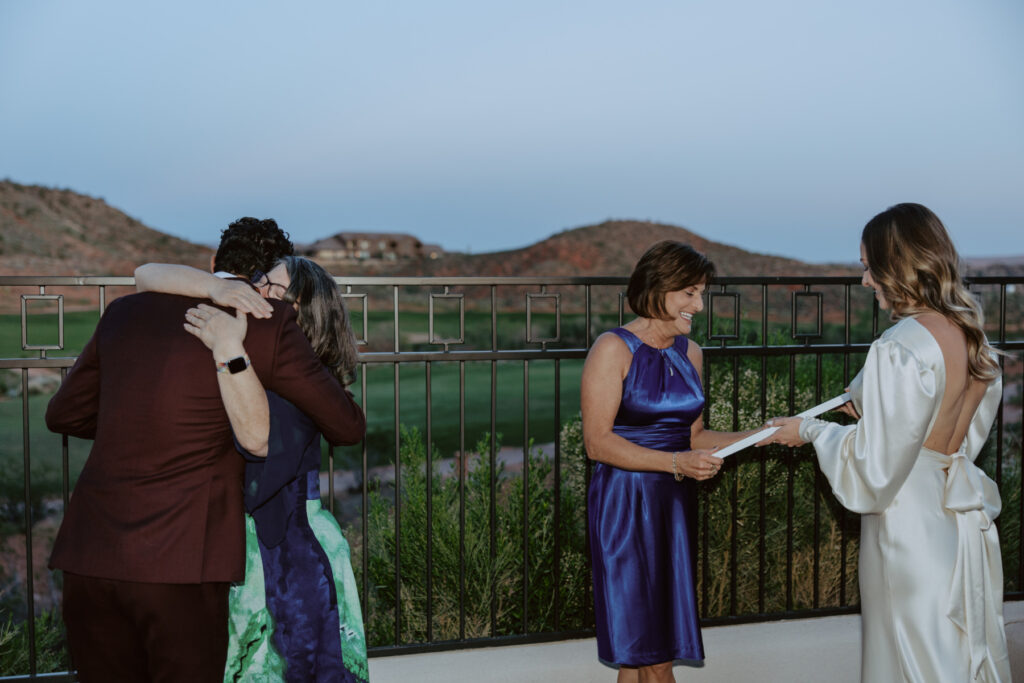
column 825, row 650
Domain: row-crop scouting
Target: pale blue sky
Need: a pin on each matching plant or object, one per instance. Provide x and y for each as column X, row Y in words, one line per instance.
column 780, row 127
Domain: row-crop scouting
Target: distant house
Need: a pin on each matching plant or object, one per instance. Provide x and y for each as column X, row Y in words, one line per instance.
column 370, row 246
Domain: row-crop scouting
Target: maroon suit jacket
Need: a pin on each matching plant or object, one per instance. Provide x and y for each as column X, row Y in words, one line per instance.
column 160, row 497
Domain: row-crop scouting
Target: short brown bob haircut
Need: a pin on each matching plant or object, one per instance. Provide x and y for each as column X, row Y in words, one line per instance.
column 666, row 266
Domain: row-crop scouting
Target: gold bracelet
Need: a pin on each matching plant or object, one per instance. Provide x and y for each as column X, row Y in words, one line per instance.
column 675, row 469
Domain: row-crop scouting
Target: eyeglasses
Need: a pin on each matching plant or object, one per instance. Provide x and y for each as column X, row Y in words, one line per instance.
column 260, row 280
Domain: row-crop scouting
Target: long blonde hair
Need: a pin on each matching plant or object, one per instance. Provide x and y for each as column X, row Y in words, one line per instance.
column 913, row 261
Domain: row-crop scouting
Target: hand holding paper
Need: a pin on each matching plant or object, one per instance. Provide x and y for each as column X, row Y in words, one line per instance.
column 746, row 442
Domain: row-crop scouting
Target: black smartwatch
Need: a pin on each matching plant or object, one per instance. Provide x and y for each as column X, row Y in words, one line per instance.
column 235, row 365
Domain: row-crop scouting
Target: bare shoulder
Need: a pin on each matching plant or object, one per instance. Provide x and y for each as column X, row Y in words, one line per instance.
column 946, row 333
column 694, row 352
column 941, row 327
column 609, row 346
column 608, row 341
column 609, row 352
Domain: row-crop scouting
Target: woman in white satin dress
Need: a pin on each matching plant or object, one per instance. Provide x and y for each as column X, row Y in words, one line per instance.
column 931, row 579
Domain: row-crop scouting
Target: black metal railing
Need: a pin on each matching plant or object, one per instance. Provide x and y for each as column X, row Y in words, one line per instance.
column 459, row 541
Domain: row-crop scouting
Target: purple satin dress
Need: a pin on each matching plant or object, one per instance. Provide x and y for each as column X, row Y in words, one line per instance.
column 643, row 525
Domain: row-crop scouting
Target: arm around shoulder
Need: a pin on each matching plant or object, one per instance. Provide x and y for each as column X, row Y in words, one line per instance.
column 172, row 278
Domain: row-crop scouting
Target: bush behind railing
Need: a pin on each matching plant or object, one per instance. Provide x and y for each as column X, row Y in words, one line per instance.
column 766, row 504
column 492, row 576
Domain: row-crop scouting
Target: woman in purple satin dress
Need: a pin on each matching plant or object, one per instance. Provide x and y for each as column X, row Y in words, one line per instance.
column 642, row 406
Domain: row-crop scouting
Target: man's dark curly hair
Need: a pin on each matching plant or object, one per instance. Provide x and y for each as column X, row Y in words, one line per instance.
column 250, row 244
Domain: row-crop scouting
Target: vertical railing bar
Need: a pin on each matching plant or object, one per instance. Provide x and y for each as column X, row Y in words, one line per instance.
column 1020, row 496
column 734, row 503
column 463, row 463
column 586, row 315
column 702, row 506
column 846, row 316
column 42, row 352
column 1000, row 445
column 557, row 563
column 790, row 483
column 816, row 492
column 29, row 578
column 526, row 494
column 999, row 433
column 398, row 483
column 762, row 543
column 588, row 604
column 874, row 318
column 430, row 506
column 397, row 338
column 493, row 455
column 494, row 318
column 843, row 540
column 1002, row 313
column 103, row 298
column 366, row 499
column 65, row 457
column 60, row 322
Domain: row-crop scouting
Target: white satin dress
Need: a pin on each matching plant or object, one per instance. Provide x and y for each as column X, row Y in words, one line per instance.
column 931, row 579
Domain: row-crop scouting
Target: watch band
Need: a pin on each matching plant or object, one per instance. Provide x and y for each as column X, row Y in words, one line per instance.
column 234, row 365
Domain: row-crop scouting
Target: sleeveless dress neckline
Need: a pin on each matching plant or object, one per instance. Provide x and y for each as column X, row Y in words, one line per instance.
column 676, row 353
column 675, row 339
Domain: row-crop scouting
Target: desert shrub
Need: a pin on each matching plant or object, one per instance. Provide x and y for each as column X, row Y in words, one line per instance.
column 769, row 518
column 14, row 650
column 477, row 583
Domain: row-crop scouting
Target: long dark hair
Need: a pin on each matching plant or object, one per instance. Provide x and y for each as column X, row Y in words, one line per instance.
column 323, row 316
column 913, row 261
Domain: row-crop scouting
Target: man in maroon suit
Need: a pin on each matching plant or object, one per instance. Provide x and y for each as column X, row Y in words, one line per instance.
column 154, row 532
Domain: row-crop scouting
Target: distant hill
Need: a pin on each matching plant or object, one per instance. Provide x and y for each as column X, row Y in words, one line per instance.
column 611, row 248
column 995, row 265
column 46, row 231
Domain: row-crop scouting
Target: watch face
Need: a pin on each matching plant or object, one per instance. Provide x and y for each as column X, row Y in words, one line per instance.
column 237, row 365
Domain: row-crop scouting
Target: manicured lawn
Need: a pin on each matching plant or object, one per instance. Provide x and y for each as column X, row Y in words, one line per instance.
column 444, row 403
column 45, row 449
column 43, row 330
column 46, row 446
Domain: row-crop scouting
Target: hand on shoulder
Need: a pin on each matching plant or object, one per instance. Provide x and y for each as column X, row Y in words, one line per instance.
column 221, row 332
column 240, row 295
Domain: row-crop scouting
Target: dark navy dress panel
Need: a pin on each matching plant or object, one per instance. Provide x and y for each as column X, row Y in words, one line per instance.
column 271, row 492
column 300, row 590
column 643, row 534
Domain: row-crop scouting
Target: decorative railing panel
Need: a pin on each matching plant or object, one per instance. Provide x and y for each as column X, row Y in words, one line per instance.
column 465, row 505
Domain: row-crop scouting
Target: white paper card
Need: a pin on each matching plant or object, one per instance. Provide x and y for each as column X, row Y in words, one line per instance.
column 746, row 442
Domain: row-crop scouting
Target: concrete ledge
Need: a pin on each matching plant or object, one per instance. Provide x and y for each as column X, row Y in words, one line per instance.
column 828, row 648
column 825, row 650
column 1013, row 615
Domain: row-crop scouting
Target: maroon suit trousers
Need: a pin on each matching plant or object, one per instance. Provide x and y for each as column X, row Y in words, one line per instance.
column 125, row 631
